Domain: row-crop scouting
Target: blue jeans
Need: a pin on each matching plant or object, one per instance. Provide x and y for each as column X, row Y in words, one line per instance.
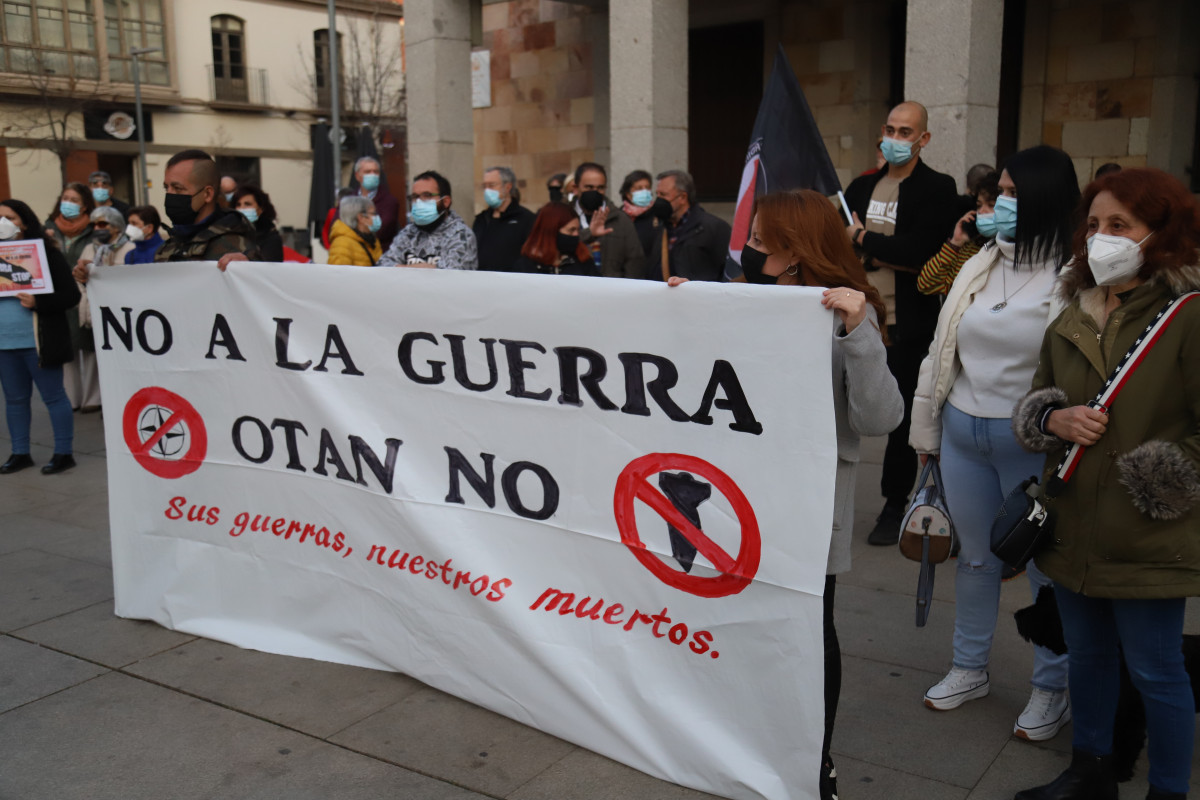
column 19, row 370
column 1150, row 634
column 981, row 464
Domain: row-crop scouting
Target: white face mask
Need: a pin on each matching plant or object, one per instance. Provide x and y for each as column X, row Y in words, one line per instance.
column 134, row 233
column 1114, row 260
column 8, row 229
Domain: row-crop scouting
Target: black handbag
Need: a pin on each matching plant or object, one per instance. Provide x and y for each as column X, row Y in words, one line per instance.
column 1024, row 524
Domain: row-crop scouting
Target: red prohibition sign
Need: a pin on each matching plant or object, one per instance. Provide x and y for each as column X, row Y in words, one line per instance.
column 736, row 573
column 164, row 416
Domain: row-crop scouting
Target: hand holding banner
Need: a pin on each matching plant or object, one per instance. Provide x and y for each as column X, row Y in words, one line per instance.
column 487, row 482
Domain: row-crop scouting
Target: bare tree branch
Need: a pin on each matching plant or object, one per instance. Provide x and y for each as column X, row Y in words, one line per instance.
column 371, row 85
column 59, row 103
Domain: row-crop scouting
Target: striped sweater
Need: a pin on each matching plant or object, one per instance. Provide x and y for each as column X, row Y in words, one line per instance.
column 940, row 271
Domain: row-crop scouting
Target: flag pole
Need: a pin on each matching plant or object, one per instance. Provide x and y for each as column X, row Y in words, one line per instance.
column 845, row 208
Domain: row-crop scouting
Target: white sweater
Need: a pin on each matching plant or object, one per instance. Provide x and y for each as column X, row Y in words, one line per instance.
column 941, row 368
column 998, row 350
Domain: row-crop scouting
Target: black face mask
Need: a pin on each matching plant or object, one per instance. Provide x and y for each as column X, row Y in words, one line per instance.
column 567, row 245
column 662, row 209
column 555, row 194
column 102, row 236
column 590, row 201
column 179, row 208
column 752, row 266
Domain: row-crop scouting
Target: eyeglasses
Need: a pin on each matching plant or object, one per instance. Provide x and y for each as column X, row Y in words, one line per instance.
column 412, row 198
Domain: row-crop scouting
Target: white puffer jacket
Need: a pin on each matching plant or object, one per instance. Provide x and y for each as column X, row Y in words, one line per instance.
column 941, row 367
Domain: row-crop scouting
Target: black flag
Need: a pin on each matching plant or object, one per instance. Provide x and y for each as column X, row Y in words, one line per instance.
column 786, row 151
column 321, row 195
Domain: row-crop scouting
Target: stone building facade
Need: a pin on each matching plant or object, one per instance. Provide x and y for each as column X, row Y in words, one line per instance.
column 631, row 83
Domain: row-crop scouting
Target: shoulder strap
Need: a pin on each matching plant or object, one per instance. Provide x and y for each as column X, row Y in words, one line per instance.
column 1117, row 380
column 370, row 256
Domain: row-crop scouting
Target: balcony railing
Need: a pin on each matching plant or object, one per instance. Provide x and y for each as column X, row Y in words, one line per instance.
column 238, row 85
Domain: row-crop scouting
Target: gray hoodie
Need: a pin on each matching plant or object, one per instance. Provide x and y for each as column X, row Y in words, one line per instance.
column 451, row 245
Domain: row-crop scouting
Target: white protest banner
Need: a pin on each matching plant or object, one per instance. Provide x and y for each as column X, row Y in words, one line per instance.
column 599, row 507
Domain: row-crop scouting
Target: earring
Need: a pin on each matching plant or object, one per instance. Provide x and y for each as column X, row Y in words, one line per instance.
column 793, row 270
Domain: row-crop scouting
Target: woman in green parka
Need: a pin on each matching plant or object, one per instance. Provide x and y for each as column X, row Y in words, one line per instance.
column 1125, row 552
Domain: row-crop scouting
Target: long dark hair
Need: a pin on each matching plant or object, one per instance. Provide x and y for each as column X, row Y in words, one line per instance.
column 33, row 228
column 1047, row 203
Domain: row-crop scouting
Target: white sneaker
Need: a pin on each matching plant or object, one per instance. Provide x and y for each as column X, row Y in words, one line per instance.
column 1044, row 716
column 959, row 686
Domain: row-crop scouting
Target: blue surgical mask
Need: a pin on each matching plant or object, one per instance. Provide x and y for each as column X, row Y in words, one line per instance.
column 986, row 225
column 642, row 198
column 376, row 224
column 425, row 211
column 100, row 194
column 229, row 197
column 492, row 198
column 68, row 209
column 1006, row 217
column 896, row 152
column 250, row 214
column 370, row 181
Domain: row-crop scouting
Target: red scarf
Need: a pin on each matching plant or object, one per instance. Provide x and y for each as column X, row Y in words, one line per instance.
column 634, row 211
column 70, row 229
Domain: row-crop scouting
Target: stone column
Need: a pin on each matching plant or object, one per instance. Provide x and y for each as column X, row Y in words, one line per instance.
column 441, row 134
column 952, row 66
column 595, row 29
column 1032, row 116
column 1166, row 140
column 648, row 73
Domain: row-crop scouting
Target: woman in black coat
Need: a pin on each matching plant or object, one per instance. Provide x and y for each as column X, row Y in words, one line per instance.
column 35, row 342
column 255, row 205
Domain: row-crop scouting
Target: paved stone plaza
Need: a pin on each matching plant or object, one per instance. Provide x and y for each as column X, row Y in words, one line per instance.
column 96, row 707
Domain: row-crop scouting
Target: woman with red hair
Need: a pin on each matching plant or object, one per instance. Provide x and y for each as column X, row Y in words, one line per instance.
column 1124, row 553
column 553, row 246
column 797, row 239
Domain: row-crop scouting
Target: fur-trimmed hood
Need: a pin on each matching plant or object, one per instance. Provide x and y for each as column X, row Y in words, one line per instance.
column 1076, row 280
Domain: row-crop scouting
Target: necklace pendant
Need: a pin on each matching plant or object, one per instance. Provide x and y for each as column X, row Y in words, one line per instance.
column 999, row 306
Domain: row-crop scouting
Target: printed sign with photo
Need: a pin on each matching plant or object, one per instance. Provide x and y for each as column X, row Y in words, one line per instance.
column 23, row 268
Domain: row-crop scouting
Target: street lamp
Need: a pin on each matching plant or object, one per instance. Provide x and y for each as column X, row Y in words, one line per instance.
column 335, row 99
column 141, row 133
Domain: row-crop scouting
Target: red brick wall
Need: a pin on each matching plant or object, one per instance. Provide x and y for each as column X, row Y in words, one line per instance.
column 80, row 164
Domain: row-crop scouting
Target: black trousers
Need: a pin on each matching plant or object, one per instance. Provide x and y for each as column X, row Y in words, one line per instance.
column 904, row 356
column 833, row 667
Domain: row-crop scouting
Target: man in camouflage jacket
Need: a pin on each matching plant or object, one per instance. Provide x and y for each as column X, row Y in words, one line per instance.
column 202, row 230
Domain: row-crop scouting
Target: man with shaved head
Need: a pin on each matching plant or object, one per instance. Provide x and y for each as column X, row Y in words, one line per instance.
column 201, row 229
column 902, row 214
